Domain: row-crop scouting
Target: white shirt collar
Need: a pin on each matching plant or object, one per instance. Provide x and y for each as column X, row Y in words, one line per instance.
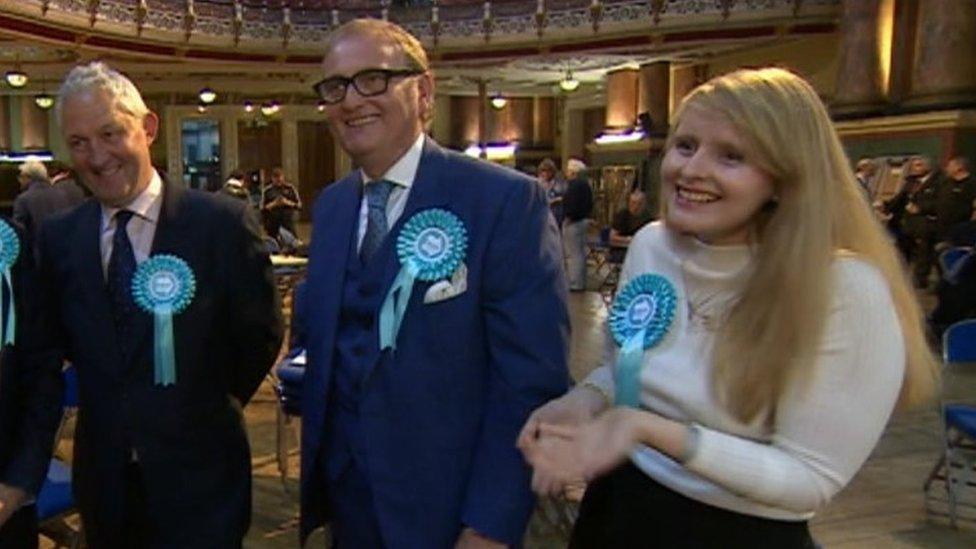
column 146, row 205
column 404, row 171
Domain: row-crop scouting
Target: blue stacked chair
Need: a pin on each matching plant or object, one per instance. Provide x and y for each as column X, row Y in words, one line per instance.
column 957, row 465
column 55, row 501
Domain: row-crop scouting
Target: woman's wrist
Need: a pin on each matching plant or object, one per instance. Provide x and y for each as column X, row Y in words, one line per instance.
column 597, row 398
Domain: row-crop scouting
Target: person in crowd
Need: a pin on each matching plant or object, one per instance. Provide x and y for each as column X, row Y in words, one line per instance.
column 554, row 188
column 577, row 207
column 417, row 384
column 38, row 200
column 767, row 333
column 234, row 186
column 902, row 223
column 30, row 401
column 954, row 197
column 280, row 204
column 627, row 221
column 917, row 200
column 865, row 172
column 161, row 457
column 64, row 181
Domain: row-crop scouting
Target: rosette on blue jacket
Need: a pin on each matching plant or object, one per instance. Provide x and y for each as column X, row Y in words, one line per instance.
column 9, row 252
column 163, row 286
column 639, row 319
column 431, row 245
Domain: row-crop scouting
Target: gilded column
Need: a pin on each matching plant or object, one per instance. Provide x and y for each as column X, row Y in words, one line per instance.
column 865, row 30
column 944, row 66
column 622, row 98
column 655, row 93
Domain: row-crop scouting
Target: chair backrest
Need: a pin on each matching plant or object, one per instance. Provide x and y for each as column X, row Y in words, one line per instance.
column 70, row 397
column 949, row 259
column 959, row 342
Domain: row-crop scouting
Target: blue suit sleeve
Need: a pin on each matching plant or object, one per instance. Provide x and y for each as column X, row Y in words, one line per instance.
column 527, row 329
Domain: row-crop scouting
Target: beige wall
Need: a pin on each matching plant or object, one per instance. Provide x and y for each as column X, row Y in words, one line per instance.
column 815, row 58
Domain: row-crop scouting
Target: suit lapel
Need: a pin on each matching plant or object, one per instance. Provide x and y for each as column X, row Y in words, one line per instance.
column 429, row 190
column 326, row 271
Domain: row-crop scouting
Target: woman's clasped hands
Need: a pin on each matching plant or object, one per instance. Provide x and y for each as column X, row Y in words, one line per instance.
column 575, row 438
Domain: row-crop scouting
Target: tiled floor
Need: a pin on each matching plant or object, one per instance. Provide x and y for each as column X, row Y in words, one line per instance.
column 882, row 508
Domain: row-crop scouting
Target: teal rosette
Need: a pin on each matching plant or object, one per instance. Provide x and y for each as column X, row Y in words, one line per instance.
column 639, row 319
column 9, row 252
column 163, row 286
column 431, row 245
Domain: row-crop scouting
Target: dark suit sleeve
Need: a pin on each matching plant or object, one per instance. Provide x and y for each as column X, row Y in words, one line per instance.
column 255, row 312
column 527, row 326
column 21, row 215
column 32, row 368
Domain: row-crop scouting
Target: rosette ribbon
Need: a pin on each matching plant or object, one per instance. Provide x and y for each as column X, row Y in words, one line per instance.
column 639, row 319
column 431, row 245
column 9, row 251
column 163, row 286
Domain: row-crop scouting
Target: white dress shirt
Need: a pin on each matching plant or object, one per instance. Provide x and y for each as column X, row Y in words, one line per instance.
column 402, row 173
column 142, row 225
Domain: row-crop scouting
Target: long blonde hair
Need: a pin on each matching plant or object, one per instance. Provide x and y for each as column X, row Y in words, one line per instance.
column 773, row 331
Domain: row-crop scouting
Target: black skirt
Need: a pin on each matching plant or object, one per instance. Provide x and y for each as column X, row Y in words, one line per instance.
column 626, row 508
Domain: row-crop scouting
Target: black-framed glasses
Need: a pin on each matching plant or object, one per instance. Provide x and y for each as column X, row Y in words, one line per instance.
column 368, row 83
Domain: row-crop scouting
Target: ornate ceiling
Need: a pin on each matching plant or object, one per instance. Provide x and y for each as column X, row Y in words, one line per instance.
column 521, row 46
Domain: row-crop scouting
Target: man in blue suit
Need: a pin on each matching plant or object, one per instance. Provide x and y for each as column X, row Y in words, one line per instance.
column 409, row 432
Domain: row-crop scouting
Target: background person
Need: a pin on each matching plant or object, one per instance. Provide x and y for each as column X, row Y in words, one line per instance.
column 577, row 207
column 280, row 204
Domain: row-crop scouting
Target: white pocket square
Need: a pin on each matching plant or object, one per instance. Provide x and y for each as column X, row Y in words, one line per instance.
column 446, row 289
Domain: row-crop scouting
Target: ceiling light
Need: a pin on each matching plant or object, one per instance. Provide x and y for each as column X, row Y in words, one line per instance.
column 207, row 96
column 201, row 108
column 321, row 106
column 569, row 83
column 493, row 151
column 613, row 138
column 16, row 78
column 270, row 108
column 498, row 102
column 44, row 101
column 248, row 106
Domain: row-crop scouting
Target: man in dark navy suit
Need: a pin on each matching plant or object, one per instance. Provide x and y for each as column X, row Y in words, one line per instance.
column 415, row 447
column 155, row 464
column 30, row 407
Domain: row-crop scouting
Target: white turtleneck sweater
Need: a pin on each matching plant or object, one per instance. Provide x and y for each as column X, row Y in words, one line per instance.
column 825, row 426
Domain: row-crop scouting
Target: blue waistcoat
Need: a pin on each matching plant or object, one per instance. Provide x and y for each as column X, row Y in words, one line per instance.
column 357, row 347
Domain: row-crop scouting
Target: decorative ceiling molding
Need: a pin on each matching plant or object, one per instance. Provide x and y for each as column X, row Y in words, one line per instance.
column 689, row 31
column 448, row 25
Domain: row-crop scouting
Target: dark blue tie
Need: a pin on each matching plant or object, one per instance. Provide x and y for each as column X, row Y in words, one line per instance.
column 377, row 195
column 121, row 267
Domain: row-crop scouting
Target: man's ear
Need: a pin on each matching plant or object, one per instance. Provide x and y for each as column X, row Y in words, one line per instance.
column 425, row 85
column 150, row 123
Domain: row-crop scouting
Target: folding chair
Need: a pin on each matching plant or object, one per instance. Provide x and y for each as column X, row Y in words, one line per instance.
column 55, row 501
column 289, row 376
column 956, row 468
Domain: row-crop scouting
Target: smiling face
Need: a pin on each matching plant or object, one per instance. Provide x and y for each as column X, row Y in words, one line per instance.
column 376, row 131
column 109, row 148
column 712, row 184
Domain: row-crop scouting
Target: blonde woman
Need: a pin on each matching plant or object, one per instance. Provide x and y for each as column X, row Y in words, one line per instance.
column 766, row 334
